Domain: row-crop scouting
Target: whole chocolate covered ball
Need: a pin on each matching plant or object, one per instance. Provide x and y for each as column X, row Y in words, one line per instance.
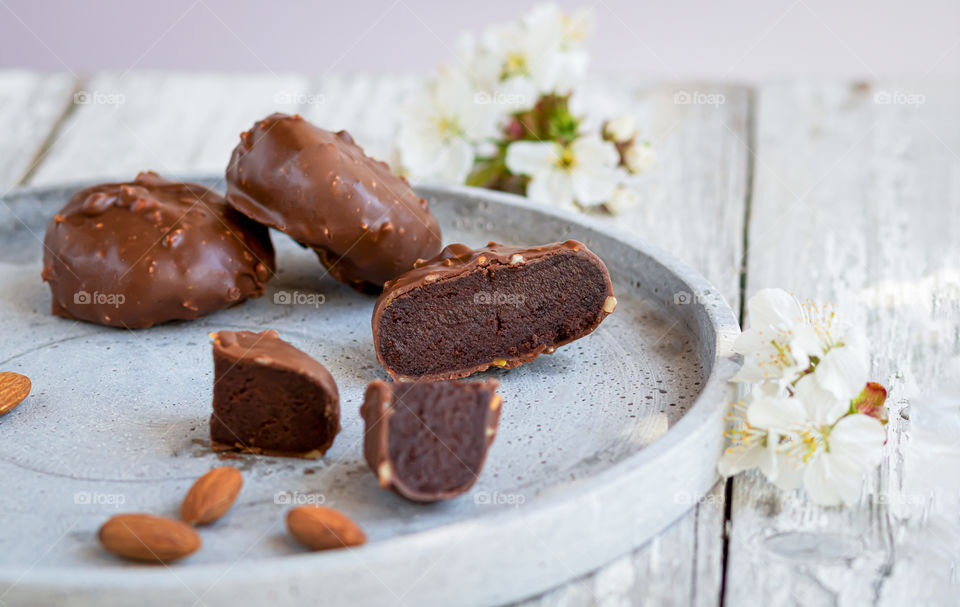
column 150, row 251
column 366, row 224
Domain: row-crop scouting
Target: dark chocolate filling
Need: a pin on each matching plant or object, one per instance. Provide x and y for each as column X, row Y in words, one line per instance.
column 271, row 409
column 437, row 437
column 498, row 311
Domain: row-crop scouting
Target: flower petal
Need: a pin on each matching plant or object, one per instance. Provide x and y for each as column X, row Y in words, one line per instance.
column 749, row 342
column 778, row 414
column 593, row 187
column 787, row 476
column 430, row 158
column 532, row 158
column 749, row 373
column 592, row 153
column 831, row 480
column 772, row 308
column 804, row 339
column 551, row 187
column 515, row 94
column 736, row 460
column 455, row 162
column 844, row 370
column 822, row 406
column 819, row 484
column 858, row 437
column 624, row 197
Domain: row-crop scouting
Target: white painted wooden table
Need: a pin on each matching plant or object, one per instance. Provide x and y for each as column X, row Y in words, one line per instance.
column 846, row 192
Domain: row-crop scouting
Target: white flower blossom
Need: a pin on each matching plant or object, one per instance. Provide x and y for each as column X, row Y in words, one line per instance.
column 844, row 367
column 852, row 448
column 584, row 171
column 517, row 62
column 787, row 338
column 779, row 342
column 814, row 412
column 755, row 446
column 574, row 28
column 833, row 449
column 513, row 84
column 810, row 439
column 441, row 127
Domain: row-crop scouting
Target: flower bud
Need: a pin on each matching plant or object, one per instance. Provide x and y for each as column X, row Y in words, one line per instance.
column 639, row 158
column 620, row 128
column 622, row 198
column 871, row 402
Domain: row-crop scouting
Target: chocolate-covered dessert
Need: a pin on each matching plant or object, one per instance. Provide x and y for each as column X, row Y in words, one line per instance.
column 271, row 398
column 466, row 310
column 365, row 223
column 150, row 251
column 427, row 441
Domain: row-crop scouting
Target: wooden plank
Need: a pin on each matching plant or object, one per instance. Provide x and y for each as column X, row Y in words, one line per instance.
column 680, row 567
column 694, row 196
column 694, row 207
column 857, row 201
column 189, row 123
column 32, row 104
column 168, row 122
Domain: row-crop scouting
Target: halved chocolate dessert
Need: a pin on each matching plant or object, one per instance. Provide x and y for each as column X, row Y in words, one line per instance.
column 150, row 251
column 270, row 398
column 467, row 310
column 365, row 223
column 428, row 441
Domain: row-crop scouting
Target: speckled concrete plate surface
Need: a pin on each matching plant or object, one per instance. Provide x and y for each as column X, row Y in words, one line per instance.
column 601, row 444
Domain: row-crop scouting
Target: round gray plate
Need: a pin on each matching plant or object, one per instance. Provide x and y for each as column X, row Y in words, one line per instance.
column 601, row 445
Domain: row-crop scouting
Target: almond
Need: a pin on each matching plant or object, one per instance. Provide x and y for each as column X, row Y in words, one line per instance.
column 211, row 496
column 321, row 528
column 13, row 389
column 145, row 537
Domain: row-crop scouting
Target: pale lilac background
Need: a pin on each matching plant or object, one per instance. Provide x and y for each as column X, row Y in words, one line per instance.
column 734, row 39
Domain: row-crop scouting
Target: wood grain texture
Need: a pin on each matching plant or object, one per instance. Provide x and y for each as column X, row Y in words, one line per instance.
column 31, row 106
column 694, row 208
column 856, row 201
column 170, row 123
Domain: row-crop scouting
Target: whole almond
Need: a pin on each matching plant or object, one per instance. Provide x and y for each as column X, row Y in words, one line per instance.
column 320, row 528
column 211, row 496
column 145, row 537
column 13, row 389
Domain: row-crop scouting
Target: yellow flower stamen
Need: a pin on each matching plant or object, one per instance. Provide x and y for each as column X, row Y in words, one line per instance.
column 448, row 126
column 515, row 65
column 566, row 160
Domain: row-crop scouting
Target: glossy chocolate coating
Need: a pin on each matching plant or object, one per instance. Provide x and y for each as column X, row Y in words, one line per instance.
column 150, row 251
column 366, row 224
column 448, row 307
